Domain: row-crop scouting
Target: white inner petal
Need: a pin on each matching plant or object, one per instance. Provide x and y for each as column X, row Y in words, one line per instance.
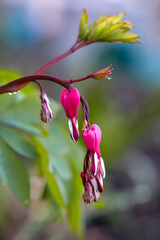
column 101, row 180
column 71, row 128
column 103, row 167
column 48, row 105
column 49, row 108
column 95, row 162
column 77, row 124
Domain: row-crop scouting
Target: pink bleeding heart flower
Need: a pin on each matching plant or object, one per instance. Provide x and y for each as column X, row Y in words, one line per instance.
column 93, row 164
column 92, row 138
column 70, row 101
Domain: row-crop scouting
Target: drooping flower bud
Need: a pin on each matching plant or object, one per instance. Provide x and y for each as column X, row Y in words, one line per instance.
column 99, row 180
column 70, row 101
column 103, row 73
column 95, row 189
column 85, row 177
column 88, row 196
column 87, row 190
column 46, row 112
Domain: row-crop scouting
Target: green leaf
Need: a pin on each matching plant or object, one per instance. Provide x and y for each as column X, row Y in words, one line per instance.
column 15, row 174
column 83, row 26
column 17, row 142
column 118, row 18
column 57, row 163
column 75, row 208
column 53, row 142
column 22, row 111
column 99, row 28
column 110, row 30
column 7, row 75
column 124, row 37
column 107, row 29
column 49, row 176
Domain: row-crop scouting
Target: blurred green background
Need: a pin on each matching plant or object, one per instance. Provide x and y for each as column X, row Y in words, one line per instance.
column 127, row 109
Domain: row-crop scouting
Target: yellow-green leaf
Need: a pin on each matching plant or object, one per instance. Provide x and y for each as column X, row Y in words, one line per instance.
column 118, row 18
column 106, row 29
column 124, row 37
column 83, row 26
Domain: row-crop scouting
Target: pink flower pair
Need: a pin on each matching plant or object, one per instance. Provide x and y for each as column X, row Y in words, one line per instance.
column 94, row 169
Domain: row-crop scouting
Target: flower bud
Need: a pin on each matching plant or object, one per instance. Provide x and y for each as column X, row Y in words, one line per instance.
column 46, row 112
column 87, row 194
column 70, row 101
column 103, row 73
column 85, row 177
column 95, row 190
column 99, row 180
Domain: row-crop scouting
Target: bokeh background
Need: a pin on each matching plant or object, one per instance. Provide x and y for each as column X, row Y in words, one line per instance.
column 127, row 109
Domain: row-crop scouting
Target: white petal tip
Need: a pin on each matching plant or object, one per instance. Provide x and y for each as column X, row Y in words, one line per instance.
column 101, row 180
column 71, row 129
column 95, row 163
column 103, row 167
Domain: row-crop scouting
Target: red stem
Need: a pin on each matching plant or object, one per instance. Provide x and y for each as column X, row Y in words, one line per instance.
column 69, row 52
column 74, row 48
column 19, row 83
column 80, row 79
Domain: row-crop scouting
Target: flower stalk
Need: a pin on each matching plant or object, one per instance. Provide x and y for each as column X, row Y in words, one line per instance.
column 18, row 84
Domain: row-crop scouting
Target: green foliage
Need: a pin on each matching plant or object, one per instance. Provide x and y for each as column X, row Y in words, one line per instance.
column 106, row 29
column 50, row 177
column 24, row 137
column 62, row 171
column 83, row 26
column 17, row 141
column 14, row 173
